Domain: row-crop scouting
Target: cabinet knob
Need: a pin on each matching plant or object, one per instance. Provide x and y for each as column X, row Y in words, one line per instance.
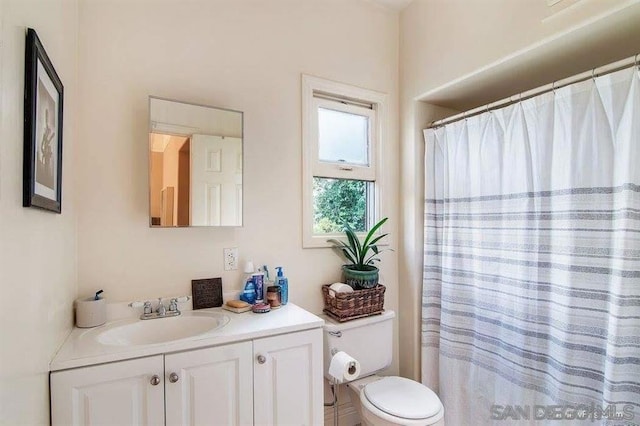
column 262, row 359
column 155, row 380
column 173, row 377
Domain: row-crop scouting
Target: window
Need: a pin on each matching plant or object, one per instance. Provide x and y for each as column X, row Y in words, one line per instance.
column 342, row 131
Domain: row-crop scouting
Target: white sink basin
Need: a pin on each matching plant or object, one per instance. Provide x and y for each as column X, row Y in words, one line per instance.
column 162, row 330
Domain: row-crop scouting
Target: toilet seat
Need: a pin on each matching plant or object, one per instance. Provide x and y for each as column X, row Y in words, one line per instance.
column 401, row 401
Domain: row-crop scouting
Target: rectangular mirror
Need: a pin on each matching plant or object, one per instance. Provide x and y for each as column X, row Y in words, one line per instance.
column 195, row 165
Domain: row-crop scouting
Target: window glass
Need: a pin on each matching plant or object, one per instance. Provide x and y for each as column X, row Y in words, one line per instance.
column 338, row 202
column 343, row 137
column 342, row 134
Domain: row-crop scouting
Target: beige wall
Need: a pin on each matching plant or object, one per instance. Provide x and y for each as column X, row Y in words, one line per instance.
column 441, row 41
column 244, row 55
column 37, row 248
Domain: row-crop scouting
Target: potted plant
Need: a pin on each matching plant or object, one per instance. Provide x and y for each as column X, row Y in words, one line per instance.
column 361, row 272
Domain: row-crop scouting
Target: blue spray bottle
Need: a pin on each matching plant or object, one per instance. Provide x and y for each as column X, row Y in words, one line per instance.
column 249, row 293
column 283, row 282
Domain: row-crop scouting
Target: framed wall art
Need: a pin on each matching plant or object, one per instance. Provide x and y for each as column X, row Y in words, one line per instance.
column 207, row 293
column 43, row 101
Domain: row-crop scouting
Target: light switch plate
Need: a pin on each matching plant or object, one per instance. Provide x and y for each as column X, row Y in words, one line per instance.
column 230, row 259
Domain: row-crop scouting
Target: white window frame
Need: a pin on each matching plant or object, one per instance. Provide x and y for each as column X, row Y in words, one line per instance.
column 317, row 93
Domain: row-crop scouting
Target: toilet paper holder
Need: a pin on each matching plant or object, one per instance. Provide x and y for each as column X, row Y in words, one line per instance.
column 351, row 366
column 342, row 368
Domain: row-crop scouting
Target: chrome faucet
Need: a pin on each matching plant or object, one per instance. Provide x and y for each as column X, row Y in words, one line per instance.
column 162, row 311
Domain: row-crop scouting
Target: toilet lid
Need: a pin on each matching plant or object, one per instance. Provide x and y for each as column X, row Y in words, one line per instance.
column 402, row 397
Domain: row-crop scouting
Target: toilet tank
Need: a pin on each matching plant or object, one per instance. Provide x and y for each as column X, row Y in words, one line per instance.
column 369, row 340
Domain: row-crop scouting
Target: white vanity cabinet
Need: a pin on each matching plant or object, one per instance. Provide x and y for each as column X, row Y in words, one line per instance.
column 210, row 384
column 120, row 393
column 274, row 380
column 288, row 379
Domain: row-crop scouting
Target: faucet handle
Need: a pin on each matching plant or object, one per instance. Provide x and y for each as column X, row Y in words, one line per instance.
column 146, row 306
column 173, row 305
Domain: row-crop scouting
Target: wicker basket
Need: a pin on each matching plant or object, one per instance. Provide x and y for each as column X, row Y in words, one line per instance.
column 360, row 303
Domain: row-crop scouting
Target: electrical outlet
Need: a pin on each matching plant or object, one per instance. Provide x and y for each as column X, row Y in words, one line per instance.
column 231, row 259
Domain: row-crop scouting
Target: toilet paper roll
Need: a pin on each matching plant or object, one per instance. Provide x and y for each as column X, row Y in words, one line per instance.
column 343, row 368
column 339, row 288
column 90, row 312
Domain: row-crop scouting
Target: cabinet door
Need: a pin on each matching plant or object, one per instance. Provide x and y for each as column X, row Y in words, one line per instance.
column 288, row 379
column 214, row 386
column 120, row 393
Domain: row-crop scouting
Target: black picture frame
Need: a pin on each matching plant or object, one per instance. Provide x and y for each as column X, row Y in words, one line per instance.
column 43, row 107
column 207, row 293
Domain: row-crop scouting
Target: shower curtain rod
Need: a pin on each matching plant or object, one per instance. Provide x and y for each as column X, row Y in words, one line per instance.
column 551, row 87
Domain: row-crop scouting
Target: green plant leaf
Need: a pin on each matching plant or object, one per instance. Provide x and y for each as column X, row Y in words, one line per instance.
column 356, row 248
column 378, row 238
column 337, row 243
column 355, row 251
column 344, row 248
column 376, row 253
column 373, row 230
column 347, row 253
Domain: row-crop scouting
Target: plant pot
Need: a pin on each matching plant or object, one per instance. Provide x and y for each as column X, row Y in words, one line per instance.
column 360, row 279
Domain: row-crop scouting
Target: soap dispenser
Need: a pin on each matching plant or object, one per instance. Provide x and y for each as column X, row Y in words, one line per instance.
column 283, row 282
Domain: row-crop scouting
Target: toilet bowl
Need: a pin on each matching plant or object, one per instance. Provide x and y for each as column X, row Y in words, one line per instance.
column 392, row 400
column 380, row 400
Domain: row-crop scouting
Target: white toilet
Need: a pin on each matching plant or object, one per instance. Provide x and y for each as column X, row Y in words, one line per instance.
column 384, row 401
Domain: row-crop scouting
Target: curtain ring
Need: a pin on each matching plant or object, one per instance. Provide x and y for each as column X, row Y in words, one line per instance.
column 635, row 60
column 553, row 87
column 593, row 74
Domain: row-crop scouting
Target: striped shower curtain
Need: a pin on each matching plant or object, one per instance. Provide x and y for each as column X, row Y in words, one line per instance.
column 531, row 292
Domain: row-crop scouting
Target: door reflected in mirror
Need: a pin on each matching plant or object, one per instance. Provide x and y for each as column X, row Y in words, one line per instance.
column 195, row 165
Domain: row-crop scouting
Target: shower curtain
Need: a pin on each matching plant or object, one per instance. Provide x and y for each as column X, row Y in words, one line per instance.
column 531, row 291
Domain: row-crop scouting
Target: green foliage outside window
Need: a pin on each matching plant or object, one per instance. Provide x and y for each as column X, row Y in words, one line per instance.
column 337, row 203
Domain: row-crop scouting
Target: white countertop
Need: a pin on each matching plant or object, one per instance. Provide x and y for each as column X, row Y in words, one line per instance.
column 82, row 349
